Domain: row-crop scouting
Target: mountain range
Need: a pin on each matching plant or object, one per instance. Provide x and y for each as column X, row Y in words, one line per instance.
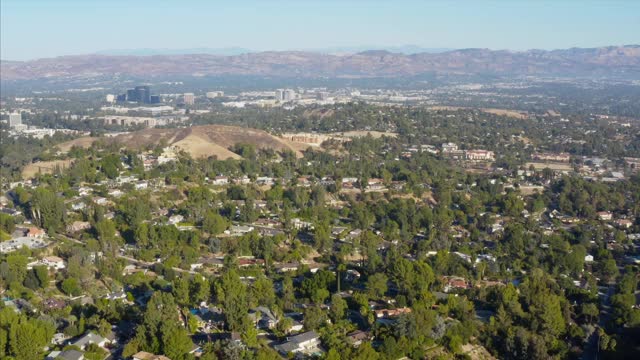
column 230, row 51
column 612, row 61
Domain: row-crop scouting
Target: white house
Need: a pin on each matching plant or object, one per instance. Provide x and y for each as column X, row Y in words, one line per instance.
column 116, row 193
column 265, row 180
column 175, row 219
column 78, row 206
column 605, row 215
column 237, row 230
column 301, row 224
column 140, row 185
column 244, row 180
column 588, row 258
column 91, row 338
column 84, row 191
column 100, row 200
column 220, row 180
column 305, row 343
column 53, row 262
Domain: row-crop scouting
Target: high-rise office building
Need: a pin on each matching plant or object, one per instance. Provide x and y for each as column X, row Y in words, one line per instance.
column 289, row 95
column 15, row 119
column 132, row 95
column 214, row 94
column 143, row 94
column 322, row 95
column 279, row 95
column 154, row 99
column 140, row 94
column 189, row 98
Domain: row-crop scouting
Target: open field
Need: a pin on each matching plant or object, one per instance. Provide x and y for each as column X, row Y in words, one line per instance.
column 504, row 112
column 83, row 142
column 303, row 141
column 552, row 166
column 44, row 167
column 500, row 112
column 361, row 133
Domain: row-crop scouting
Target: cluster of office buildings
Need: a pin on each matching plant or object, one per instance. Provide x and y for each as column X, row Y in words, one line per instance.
column 285, row 95
column 139, row 94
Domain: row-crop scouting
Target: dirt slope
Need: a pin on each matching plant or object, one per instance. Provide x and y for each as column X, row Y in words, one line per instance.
column 198, row 141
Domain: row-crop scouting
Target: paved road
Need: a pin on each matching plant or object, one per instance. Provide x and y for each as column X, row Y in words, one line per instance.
column 591, row 347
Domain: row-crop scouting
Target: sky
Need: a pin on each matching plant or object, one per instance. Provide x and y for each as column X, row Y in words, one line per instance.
column 47, row 28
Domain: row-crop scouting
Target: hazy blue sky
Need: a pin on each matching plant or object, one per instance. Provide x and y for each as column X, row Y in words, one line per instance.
column 45, row 28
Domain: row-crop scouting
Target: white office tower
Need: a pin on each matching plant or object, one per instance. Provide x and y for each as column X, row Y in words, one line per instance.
column 322, row 95
column 15, row 119
column 279, row 95
column 289, row 95
column 111, row 98
column 215, row 94
column 189, row 98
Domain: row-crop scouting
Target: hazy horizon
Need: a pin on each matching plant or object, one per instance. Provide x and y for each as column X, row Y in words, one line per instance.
column 34, row 29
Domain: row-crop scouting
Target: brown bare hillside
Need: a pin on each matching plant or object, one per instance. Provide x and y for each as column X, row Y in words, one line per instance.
column 198, row 147
column 607, row 61
column 83, row 142
column 198, row 141
column 44, row 167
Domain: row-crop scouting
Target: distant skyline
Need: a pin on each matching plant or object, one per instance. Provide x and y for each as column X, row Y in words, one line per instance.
column 32, row 29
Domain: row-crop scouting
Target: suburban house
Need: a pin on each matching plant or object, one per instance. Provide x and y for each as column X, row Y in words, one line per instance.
column 66, row 355
column 301, row 224
column 91, row 338
column 239, row 230
column 34, row 232
column 605, row 215
column 143, row 355
column 624, row 223
column 175, row 219
column 100, row 200
column 452, row 283
column 141, row 185
column 220, row 180
column 78, row 226
column 244, row 180
column 390, row 313
column 304, row 181
column 306, row 343
column 479, row 155
column 53, row 304
column 78, row 206
column 53, row 262
column 356, row 338
column 375, row 184
column 263, row 318
column 286, row 267
column 116, row 193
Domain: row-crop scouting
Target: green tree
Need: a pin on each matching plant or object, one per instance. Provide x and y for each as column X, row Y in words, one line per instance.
column 47, row 209
column 377, row 285
column 232, row 294
column 338, row 307
column 175, row 341
column 214, row 223
column 110, row 165
column 71, row 287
